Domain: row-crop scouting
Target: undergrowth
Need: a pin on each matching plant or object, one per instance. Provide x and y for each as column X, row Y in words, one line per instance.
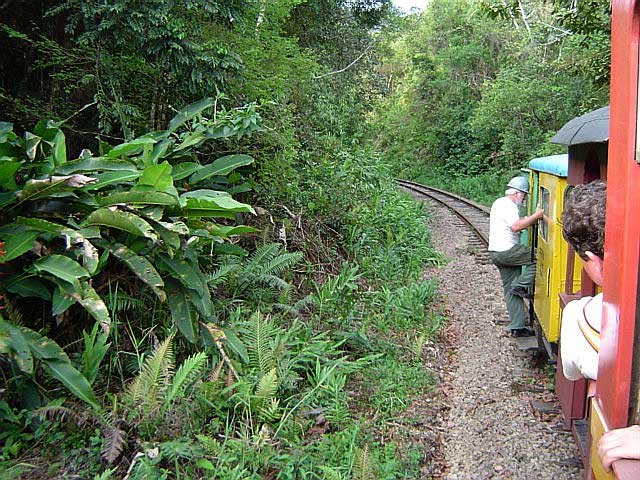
column 303, row 372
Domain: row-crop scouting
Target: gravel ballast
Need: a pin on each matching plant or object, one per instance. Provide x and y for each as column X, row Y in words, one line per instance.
column 494, row 414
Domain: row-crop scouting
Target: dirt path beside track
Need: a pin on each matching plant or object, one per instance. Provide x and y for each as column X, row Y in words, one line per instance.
column 494, row 414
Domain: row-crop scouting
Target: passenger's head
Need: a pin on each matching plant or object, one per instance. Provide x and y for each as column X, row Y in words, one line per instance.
column 583, row 218
column 583, row 225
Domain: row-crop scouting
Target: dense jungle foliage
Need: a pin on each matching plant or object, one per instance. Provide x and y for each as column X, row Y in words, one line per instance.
column 206, row 270
column 476, row 89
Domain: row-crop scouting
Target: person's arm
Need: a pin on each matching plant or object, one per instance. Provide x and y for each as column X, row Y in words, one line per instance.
column 571, row 341
column 525, row 222
column 620, row 443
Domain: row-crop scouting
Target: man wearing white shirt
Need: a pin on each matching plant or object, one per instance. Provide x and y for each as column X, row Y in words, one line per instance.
column 583, row 227
column 509, row 255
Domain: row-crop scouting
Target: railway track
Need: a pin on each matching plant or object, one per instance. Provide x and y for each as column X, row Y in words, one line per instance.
column 473, row 214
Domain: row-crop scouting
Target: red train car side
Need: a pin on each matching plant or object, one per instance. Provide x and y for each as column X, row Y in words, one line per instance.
column 615, row 403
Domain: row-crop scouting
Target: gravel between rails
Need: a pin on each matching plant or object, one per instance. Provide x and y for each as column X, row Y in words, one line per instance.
column 494, row 414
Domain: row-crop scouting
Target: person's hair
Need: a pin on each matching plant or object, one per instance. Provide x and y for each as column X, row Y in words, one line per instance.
column 583, row 218
column 511, row 191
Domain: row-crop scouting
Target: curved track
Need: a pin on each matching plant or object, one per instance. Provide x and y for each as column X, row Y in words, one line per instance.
column 476, row 216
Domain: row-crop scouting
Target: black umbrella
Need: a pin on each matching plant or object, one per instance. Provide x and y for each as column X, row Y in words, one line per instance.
column 592, row 127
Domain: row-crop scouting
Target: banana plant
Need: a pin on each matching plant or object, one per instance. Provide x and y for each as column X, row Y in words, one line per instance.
column 149, row 204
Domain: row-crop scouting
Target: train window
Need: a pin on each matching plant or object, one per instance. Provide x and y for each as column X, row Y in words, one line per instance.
column 544, row 225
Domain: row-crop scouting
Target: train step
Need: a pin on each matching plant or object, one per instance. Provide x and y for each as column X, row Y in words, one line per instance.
column 580, row 430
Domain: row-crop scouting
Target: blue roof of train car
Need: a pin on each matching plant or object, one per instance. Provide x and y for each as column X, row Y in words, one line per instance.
column 554, row 164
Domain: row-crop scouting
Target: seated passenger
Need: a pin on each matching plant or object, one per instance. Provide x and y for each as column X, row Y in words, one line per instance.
column 583, row 227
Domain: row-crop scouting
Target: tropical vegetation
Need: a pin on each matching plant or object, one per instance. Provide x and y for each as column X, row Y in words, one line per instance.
column 206, row 269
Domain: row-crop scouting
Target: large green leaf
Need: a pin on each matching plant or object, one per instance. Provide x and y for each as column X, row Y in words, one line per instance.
column 133, row 147
column 61, row 301
column 93, row 304
column 6, row 129
column 170, row 238
column 8, row 198
column 221, row 206
column 204, row 193
column 59, row 148
column 90, row 256
column 138, row 198
column 191, row 139
column 8, row 169
column 184, row 169
column 47, row 129
column 45, row 226
column 95, row 164
column 188, row 112
column 230, row 249
column 187, row 272
column 202, row 303
column 182, row 312
column 110, row 178
column 32, row 142
column 61, row 267
column 159, row 151
column 158, row 177
column 227, row 231
column 126, row 221
column 28, row 286
column 221, row 166
column 89, row 252
column 59, row 366
column 41, row 225
column 139, row 265
column 177, row 227
column 83, row 293
column 236, row 344
column 35, row 189
column 16, row 245
column 14, row 344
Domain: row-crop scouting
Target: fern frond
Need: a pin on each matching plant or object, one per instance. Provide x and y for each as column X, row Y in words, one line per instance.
column 119, row 301
column 211, row 445
column 331, row 473
column 270, row 411
column 12, row 313
column 260, row 334
column 297, row 307
column 221, row 274
column 230, row 379
column 114, row 443
column 186, row 449
column 60, row 414
column 215, row 375
column 267, row 386
column 153, row 377
column 264, row 254
column 282, row 263
column 106, row 475
column 186, row 375
column 271, row 281
column 363, row 468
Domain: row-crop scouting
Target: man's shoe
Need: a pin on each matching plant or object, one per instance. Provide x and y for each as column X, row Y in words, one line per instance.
column 522, row 332
column 520, row 292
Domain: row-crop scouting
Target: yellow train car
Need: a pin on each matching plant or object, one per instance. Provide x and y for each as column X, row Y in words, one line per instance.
column 548, row 178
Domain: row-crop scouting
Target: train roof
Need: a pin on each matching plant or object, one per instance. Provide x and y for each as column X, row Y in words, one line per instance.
column 554, row 164
column 592, row 127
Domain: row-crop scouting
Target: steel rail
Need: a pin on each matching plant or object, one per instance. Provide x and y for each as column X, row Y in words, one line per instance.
column 473, row 214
